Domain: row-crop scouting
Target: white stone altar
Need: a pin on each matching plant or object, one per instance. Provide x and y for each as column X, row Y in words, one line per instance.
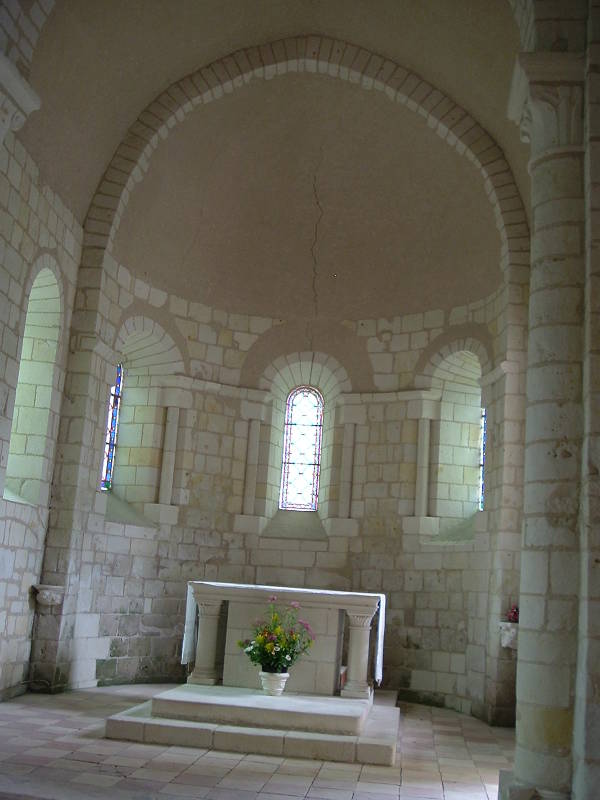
column 307, row 721
column 318, row 671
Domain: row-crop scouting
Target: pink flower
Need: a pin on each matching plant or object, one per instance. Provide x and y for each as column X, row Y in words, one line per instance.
column 294, row 604
column 307, row 627
column 273, row 598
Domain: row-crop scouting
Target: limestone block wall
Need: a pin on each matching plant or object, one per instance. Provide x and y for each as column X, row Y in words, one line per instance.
column 141, row 432
column 456, row 445
column 136, row 618
column 37, row 234
column 21, row 22
column 438, row 589
column 219, row 444
column 385, row 456
column 124, row 618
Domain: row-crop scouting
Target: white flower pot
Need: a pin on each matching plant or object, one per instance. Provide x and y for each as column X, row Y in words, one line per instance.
column 273, row 683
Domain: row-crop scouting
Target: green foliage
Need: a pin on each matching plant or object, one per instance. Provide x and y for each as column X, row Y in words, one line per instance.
column 279, row 640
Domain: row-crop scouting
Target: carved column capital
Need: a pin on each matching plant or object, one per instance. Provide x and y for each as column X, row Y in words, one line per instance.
column 17, row 98
column 546, row 100
column 208, row 609
column 553, row 117
column 48, row 596
column 359, row 620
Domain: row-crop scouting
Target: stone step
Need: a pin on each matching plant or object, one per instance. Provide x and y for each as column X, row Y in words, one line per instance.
column 228, row 705
column 375, row 744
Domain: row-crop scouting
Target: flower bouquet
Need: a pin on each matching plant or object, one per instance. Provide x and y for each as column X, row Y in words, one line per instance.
column 278, row 642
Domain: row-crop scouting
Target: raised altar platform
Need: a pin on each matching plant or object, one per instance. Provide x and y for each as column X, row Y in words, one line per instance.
column 221, row 706
column 247, row 721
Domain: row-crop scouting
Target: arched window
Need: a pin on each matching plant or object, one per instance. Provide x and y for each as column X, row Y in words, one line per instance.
column 302, row 436
column 112, row 424
column 483, row 434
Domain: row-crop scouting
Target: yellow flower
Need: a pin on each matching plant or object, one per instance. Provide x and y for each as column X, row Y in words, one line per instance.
column 278, row 630
column 260, row 638
column 269, row 647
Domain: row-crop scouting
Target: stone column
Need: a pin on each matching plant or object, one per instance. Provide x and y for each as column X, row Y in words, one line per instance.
column 251, row 466
column 167, row 470
column 205, row 670
column 586, row 738
column 358, row 655
column 549, row 561
column 346, row 471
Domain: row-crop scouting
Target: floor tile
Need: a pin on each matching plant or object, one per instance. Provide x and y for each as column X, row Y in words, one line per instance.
column 53, row 745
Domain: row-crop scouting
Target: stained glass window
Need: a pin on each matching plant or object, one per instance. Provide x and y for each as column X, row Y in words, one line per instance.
column 112, row 423
column 302, row 435
column 482, row 458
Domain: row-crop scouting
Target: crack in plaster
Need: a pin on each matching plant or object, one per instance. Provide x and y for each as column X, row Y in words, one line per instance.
column 313, row 249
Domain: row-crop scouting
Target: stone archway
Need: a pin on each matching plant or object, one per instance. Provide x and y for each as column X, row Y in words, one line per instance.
column 316, row 55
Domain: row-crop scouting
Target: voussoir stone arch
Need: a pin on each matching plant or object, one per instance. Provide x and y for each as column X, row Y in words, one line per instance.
column 319, row 370
column 473, row 339
column 318, row 55
column 144, row 347
column 46, row 261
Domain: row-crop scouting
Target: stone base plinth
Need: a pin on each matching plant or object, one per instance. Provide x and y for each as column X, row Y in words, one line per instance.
column 508, row 789
column 240, row 706
column 248, row 721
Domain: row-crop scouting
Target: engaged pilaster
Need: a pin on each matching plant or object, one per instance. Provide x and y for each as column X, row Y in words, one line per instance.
column 348, row 416
column 423, row 410
column 249, row 521
column 173, row 398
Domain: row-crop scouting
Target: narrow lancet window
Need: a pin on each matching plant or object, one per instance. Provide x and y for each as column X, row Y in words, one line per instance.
column 302, row 436
column 112, row 424
column 482, row 458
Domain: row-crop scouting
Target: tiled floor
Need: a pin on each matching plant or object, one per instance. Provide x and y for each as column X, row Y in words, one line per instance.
column 52, row 746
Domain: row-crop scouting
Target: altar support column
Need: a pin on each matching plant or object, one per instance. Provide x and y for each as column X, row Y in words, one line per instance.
column 358, row 655
column 549, row 561
column 205, row 671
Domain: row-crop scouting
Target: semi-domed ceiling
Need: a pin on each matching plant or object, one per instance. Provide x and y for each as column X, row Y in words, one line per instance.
column 308, row 196
column 294, row 197
column 99, row 63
